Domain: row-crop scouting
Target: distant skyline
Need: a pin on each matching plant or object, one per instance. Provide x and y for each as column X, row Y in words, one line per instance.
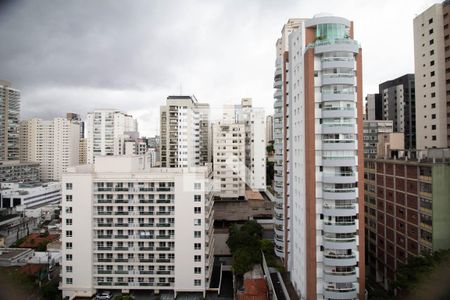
column 75, row 56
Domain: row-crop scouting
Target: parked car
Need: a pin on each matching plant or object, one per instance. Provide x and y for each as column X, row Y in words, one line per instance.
column 104, row 296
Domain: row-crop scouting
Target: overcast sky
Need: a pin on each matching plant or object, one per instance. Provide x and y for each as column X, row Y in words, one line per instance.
column 80, row 55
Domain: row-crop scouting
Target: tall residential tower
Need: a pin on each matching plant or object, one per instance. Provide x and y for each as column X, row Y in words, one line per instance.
column 319, row 105
column 9, row 121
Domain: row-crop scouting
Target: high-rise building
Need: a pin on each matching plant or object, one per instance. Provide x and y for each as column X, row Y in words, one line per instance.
column 399, row 106
column 129, row 143
column 54, row 144
column 184, row 128
column 9, row 121
column 269, row 129
column 76, row 118
column 374, row 107
column 280, row 135
column 229, row 159
column 431, row 53
column 83, row 151
column 254, row 120
column 103, row 129
column 319, row 147
column 128, row 227
column 407, row 211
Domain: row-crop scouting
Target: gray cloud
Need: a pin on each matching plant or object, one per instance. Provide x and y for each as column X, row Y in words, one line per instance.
column 80, row 55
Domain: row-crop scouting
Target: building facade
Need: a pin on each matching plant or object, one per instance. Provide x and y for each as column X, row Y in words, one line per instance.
column 374, row 107
column 322, row 147
column 269, row 129
column 127, row 226
column 254, row 120
column 229, row 159
column 281, row 142
column 54, row 144
column 399, row 106
column 407, row 209
column 16, row 171
column 103, row 129
column 29, row 195
column 371, row 131
column 431, row 58
column 184, row 127
column 9, row 121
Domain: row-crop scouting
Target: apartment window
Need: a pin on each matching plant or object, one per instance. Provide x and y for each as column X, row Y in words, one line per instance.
column 69, row 198
column 433, row 116
column 432, row 73
column 68, row 186
column 433, row 83
column 69, row 269
column 197, row 282
column 433, row 95
column 432, row 63
column 433, row 127
column 69, row 209
column 197, row 258
column 433, row 137
column 431, row 52
column 69, row 280
column 430, row 21
column 197, row 198
column 69, row 257
column 197, row 186
column 197, row 222
column 197, row 234
column 433, row 105
column 430, row 31
column 197, row 246
column 197, row 270
column 68, row 221
column 68, row 245
column 68, row 233
column 431, row 42
column 197, row 210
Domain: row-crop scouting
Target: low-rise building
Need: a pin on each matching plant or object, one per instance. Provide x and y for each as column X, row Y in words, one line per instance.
column 16, row 171
column 127, row 226
column 29, row 195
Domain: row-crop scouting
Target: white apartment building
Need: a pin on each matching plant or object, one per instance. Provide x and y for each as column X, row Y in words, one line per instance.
column 127, row 227
column 320, row 147
column 254, row 120
column 184, row 128
column 229, row 159
column 281, row 142
column 104, row 127
column 54, row 144
column 22, row 196
column 431, row 52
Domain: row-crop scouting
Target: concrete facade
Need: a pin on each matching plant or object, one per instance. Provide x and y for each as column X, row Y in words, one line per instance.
column 127, row 226
column 9, row 121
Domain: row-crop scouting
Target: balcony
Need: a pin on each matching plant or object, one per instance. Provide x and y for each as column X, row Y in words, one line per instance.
column 104, row 236
column 146, row 225
column 165, row 248
column 104, row 224
column 104, row 213
column 340, row 293
column 339, row 161
column 163, row 213
column 338, row 260
column 146, row 248
column 338, row 78
column 338, row 128
column 340, row 277
column 121, row 248
column 121, row 213
column 338, row 62
column 330, row 144
column 345, row 177
column 341, row 227
column 339, row 243
column 146, row 213
column 121, row 236
column 104, row 272
column 339, row 211
column 338, row 112
column 163, row 225
column 147, row 260
column 104, row 248
column 339, row 194
column 166, row 236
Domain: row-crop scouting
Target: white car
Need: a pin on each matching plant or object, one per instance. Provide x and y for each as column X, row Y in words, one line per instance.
column 104, row 296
